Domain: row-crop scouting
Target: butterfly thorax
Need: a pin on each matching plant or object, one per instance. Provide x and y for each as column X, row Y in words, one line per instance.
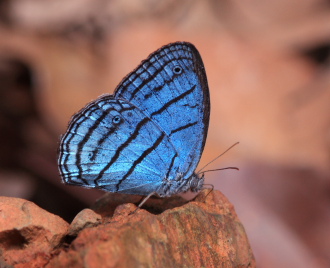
column 171, row 187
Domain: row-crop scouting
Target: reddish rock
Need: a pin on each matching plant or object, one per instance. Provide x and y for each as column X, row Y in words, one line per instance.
column 27, row 233
column 84, row 219
column 108, row 203
column 202, row 233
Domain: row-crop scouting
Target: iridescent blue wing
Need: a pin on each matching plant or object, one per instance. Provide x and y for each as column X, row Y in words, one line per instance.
column 171, row 88
column 147, row 137
column 111, row 144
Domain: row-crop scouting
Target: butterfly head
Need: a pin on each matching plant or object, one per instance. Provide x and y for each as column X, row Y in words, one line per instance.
column 196, row 182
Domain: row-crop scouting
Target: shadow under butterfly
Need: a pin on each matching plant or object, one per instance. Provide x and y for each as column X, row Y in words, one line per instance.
column 147, row 138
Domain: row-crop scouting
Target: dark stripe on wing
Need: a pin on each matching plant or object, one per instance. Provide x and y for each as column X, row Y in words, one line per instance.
column 152, row 77
column 184, row 94
column 99, row 143
column 66, row 143
column 110, row 132
column 140, row 159
column 183, row 127
column 127, row 82
column 122, row 147
column 171, row 165
column 84, row 141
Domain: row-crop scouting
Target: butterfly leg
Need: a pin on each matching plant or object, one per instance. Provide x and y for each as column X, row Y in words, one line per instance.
column 143, row 201
column 211, row 187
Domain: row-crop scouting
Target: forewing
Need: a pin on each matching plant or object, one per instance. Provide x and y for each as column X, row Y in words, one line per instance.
column 170, row 87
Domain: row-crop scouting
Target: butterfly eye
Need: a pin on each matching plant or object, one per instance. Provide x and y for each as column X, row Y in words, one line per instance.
column 116, row 119
column 177, row 70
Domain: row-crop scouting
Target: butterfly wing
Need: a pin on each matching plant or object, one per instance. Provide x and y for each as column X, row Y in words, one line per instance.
column 111, row 144
column 171, row 88
column 150, row 135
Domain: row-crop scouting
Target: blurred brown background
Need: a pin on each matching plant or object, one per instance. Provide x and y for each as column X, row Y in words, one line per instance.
column 268, row 67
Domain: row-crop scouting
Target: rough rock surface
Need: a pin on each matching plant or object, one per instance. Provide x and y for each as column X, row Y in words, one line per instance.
column 28, row 233
column 202, row 233
column 84, row 219
column 108, row 203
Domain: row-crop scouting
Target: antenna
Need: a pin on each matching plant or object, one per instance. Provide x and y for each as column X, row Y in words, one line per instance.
column 236, row 168
column 216, row 159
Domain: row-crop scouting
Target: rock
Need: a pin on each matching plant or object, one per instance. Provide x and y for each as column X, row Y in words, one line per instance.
column 84, row 219
column 28, row 233
column 205, row 232
column 108, row 203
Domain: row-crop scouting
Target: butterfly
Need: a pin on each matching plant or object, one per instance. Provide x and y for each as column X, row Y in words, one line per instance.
column 147, row 137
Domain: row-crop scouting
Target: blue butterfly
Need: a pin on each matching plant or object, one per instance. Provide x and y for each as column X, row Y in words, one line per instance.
column 148, row 137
